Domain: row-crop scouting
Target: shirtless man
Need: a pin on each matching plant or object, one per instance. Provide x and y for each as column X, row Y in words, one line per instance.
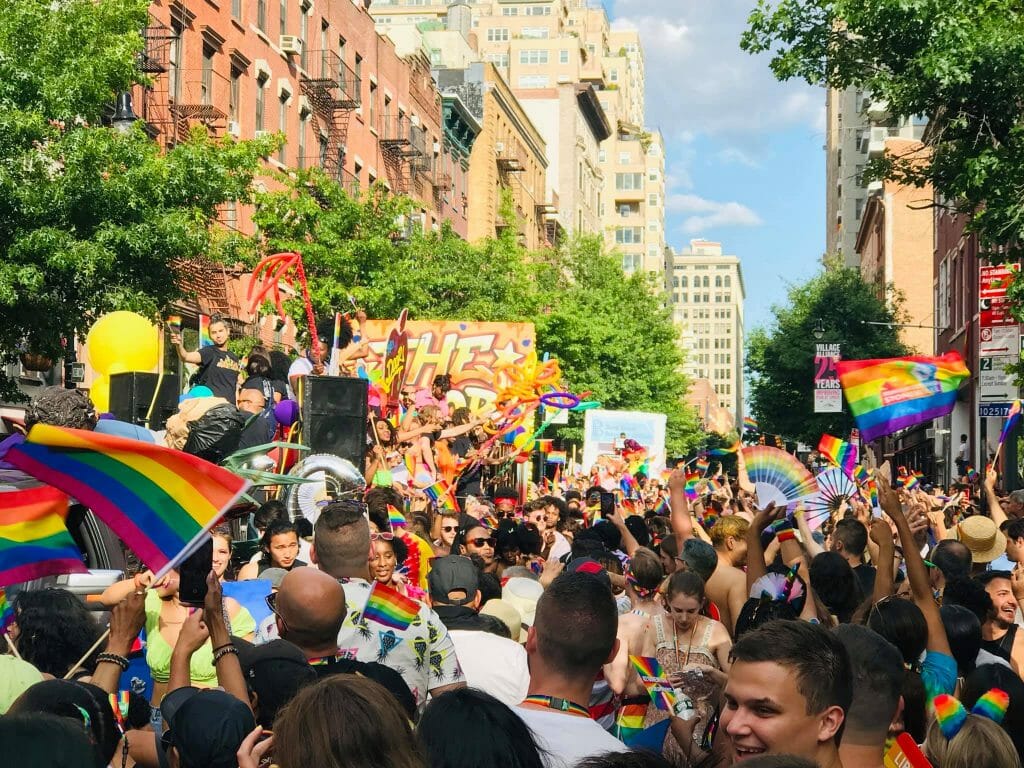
column 727, row 587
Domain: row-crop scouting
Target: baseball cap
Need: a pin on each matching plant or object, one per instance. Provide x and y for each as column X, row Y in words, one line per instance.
column 275, row 672
column 206, row 727
column 590, row 567
column 453, row 573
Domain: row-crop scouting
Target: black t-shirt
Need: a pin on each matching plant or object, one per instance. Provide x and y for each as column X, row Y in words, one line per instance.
column 866, row 576
column 219, row 371
column 267, row 386
column 391, row 680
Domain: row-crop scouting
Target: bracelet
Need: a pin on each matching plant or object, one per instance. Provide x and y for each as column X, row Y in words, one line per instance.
column 221, row 647
column 224, row 651
column 113, row 658
column 786, row 535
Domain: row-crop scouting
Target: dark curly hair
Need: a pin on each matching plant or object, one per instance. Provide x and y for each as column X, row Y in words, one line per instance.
column 61, row 407
column 54, row 630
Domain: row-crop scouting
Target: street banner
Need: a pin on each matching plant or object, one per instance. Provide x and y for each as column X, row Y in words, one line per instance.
column 828, row 393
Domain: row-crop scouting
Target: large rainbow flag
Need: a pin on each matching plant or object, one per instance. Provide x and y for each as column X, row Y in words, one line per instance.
column 33, row 539
column 888, row 395
column 159, row 501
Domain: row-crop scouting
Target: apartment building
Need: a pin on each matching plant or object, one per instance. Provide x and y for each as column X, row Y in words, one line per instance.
column 857, row 127
column 318, row 73
column 707, row 295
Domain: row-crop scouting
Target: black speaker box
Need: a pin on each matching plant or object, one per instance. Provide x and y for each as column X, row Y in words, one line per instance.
column 334, row 412
column 132, row 393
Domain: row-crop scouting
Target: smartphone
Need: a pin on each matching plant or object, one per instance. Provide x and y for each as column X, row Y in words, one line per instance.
column 607, row 504
column 193, row 572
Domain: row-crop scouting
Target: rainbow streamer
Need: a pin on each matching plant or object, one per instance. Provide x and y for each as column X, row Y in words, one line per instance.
column 1012, row 417
column 749, row 424
column 390, row 608
column 34, row 541
column 652, row 675
column 396, row 518
column 159, row 501
column 6, row 612
column 204, row 332
column 557, row 457
column 839, row 452
column 441, row 494
column 892, row 394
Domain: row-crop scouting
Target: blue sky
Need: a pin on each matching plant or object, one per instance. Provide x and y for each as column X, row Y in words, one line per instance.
column 744, row 154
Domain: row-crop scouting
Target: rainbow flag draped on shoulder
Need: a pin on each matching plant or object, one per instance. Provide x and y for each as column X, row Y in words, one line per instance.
column 159, row 501
column 889, row 395
column 34, row 541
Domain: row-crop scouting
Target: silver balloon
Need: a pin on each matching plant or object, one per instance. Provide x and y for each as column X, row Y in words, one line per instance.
column 261, row 463
column 332, row 478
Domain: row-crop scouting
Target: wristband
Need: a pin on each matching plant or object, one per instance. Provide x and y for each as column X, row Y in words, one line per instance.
column 113, row 658
column 786, row 535
column 221, row 647
column 224, row 651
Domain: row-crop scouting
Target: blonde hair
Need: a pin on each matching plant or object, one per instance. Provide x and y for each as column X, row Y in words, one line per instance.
column 428, row 413
column 726, row 526
column 980, row 743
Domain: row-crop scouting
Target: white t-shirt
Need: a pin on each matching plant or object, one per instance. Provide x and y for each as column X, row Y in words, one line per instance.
column 567, row 739
column 560, row 547
column 492, row 663
column 301, row 366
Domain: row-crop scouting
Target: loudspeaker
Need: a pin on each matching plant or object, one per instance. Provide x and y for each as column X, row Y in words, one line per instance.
column 334, row 412
column 132, row 393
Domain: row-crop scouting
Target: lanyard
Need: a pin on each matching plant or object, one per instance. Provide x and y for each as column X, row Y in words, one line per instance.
column 562, row 705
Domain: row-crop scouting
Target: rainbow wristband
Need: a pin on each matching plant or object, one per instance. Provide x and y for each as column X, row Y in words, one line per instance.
column 786, row 535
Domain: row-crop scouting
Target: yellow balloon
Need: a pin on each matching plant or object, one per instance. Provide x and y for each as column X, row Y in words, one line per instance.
column 519, row 441
column 99, row 393
column 122, row 339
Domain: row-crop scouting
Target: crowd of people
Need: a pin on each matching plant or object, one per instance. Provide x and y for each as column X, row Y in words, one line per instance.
column 516, row 619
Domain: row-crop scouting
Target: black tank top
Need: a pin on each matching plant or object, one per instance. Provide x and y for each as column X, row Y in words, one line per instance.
column 1003, row 646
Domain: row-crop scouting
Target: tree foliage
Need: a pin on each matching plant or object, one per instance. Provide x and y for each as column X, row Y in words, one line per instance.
column 780, row 358
column 956, row 62
column 91, row 219
column 609, row 331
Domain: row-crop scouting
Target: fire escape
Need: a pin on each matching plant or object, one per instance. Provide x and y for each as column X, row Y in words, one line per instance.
column 154, row 61
column 402, row 141
column 333, row 92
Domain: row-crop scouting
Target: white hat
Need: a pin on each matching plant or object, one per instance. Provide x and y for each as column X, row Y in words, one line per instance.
column 523, row 594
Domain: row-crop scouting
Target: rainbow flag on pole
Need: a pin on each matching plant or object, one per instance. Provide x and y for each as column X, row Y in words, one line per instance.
column 889, row 395
column 556, row 457
column 159, row 501
column 441, row 494
column 1012, row 417
column 839, row 452
column 204, row 332
column 6, row 612
column 396, row 518
column 390, row 607
column 34, row 541
column 749, row 424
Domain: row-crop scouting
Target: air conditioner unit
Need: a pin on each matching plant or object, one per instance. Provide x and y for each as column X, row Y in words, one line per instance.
column 234, row 128
column 929, row 434
column 290, row 44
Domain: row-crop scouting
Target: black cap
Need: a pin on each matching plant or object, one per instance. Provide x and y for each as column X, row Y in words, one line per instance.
column 275, row 672
column 453, row 573
column 206, row 727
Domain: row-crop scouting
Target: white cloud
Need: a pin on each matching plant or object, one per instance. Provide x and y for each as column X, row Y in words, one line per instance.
column 707, row 214
column 737, row 156
column 698, row 79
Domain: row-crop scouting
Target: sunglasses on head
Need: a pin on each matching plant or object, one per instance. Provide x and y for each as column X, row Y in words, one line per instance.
column 379, row 536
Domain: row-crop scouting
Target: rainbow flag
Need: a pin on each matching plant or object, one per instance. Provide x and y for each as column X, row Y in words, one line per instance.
column 726, row 451
column 691, row 486
column 629, row 722
column 860, row 474
column 703, row 465
column 489, row 521
column 159, row 501
column 396, row 518
column 749, row 424
column 173, row 323
column 441, row 495
column 204, row 332
column 6, row 612
column 911, row 482
column 873, row 493
column 888, row 395
column 544, row 446
column 652, row 675
column 972, row 475
column 390, row 607
column 1011, row 420
column 663, row 508
column 34, row 541
column 665, row 475
column 839, row 452
column 557, row 457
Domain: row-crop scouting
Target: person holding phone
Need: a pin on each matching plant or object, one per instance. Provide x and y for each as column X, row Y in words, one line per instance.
column 166, row 614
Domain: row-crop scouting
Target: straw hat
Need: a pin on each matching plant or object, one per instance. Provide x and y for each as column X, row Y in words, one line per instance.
column 509, row 616
column 980, row 535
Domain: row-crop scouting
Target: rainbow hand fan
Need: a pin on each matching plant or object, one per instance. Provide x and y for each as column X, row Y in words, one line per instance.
column 834, row 487
column 777, row 476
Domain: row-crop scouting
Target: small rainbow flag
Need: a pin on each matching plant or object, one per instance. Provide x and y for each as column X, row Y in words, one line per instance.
column 860, row 474
column 972, row 475
column 545, row 446
column 34, row 541
column 652, row 675
column 703, row 465
column 749, row 424
column 892, row 394
column 663, row 508
column 159, row 501
column 174, row 324
column 691, row 486
column 629, row 722
column 1012, row 417
column 556, row 457
column 204, row 332
column 6, row 612
column 489, row 521
column 396, row 518
column 441, row 494
column 726, row 451
column 873, row 493
column 390, row 607
column 911, row 482
column 665, row 475
column 839, row 452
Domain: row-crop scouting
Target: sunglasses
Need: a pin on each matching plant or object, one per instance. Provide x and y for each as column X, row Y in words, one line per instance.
column 489, row 541
column 449, row 528
column 272, row 605
column 375, row 536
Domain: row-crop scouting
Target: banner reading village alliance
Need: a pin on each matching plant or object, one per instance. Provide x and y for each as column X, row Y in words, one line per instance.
column 828, row 392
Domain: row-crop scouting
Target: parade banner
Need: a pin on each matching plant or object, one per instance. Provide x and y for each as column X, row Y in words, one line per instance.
column 828, row 394
column 396, row 363
column 468, row 352
column 603, row 428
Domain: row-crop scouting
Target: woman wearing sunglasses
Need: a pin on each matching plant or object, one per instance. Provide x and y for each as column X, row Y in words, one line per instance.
column 447, row 527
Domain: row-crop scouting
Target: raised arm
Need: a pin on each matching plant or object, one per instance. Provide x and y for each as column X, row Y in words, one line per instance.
column 755, row 552
column 885, row 575
column 183, row 354
column 127, row 619
column 995, row 509
column 681, row 520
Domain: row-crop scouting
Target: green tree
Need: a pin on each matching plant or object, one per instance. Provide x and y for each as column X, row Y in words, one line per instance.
column 780, row 358
column 956, row 62
column 92, row 220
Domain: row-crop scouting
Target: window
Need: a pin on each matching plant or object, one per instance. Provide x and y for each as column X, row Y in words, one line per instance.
column 324, row 47
column 563, row 57
column 510, row 11
column 652, row 200
column 602, row 156
column 684, row 297
column 652, row 176
column 539, row 10
column 284, row 17
column 535, row 33
column 282, row 122
column 718, row 281
column 630, row 262
column 303, row 128
column 174, row 62
column 304, row 34
column 497, row 35
column 234, row 93
column 942, row 299
column 357, row 70
column 533, row 81
column 629, row 181
column 261, row 103
column 261, row 14
column 533, row 57
column 728, row 281
column 341, row 48
column 435, row 57
column 323, row 149
column 499, row 60
column 613, row 75
column 373, row 104
column 858, row 209
column 706, row 282
column 207, row 84
column 236, row 9
column 629, row 235
column 683, row 282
